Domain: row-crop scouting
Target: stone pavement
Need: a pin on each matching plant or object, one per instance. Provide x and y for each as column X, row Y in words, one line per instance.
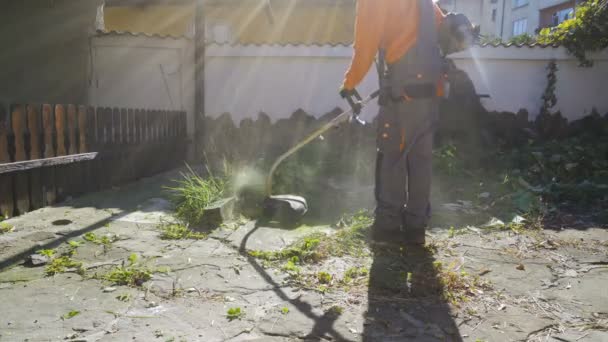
column 468, row 285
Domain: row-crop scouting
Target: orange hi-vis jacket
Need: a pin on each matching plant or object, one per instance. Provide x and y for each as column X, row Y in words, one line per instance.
column 388, row 24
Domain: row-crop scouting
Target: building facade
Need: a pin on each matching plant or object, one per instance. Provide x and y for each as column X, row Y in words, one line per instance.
column 508, row 18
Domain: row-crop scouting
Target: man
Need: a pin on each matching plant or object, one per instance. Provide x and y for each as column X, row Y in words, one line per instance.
column 406, row 32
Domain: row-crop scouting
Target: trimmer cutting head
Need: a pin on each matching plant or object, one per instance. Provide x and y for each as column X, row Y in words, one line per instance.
column 285, row 209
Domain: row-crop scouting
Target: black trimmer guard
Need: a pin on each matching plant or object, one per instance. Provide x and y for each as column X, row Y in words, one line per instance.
column 285, row 209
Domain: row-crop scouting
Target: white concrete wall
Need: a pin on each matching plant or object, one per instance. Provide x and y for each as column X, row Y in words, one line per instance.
column 515, row 78
column 143, row 72
column 246, row 80
column 278, row 80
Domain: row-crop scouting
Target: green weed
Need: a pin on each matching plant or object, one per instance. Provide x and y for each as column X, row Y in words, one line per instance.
column 457, row 287
column 302, row 251
column 71, row 314
column 125, row 297
column 62, row 264
column 285, row 310
column 291, row 265
column 105, row 240
column 324, row 277
column 6, row 228
column 353, row 274
column 133, row 274
column 452, row 232
column 235, row 313
column 74, row 244
column 335, row 310
column 50, row 253
column 176, row 231
column 193, row 194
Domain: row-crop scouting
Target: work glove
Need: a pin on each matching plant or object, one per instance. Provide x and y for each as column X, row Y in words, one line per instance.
column 348, row 94
column 344, row 93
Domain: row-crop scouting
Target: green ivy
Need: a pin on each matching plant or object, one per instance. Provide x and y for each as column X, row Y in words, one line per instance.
column 522, row 39
column 549, row 98
column 588, row 31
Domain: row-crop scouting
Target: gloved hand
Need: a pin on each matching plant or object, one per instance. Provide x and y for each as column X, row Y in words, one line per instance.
column 348, row 94
column 344, row 93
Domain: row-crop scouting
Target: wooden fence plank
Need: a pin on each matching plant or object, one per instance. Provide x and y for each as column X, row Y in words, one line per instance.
column 116, row 163
column 61, row 178
column 153, row 145
column 72, row 121
column 34, row 127
column 125, row 163
column 90, row 144
column 147, row 143
column 73, row 171
column 140, row 141
column 7, row 204
column 104, row 121
column 48, row 151
column 19, row 124
column 128, row 147
column 166, row 162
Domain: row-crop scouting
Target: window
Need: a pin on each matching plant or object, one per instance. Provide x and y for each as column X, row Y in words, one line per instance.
column 520, row 26
column 494, row 15
column 561, row 16
column 519, row 3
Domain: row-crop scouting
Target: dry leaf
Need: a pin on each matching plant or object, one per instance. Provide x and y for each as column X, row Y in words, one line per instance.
column 484, row 271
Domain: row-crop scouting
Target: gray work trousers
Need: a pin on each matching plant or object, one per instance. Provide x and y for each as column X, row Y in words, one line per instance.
column 403, row 184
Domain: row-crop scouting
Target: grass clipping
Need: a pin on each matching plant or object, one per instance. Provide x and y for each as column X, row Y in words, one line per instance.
column 193, row 194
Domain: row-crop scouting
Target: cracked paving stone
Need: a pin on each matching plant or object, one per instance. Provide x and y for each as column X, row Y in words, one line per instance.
column 265, row 238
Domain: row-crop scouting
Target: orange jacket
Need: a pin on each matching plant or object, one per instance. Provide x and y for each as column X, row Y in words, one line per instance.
column 388, row 24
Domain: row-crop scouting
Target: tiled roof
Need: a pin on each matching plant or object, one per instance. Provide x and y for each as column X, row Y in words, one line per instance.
column 290, row 44
column 528, row 45
column 276, row 44
column 138, row 34
column 347, row 44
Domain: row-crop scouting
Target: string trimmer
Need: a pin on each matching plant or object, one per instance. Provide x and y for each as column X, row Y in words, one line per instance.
column 288, row 209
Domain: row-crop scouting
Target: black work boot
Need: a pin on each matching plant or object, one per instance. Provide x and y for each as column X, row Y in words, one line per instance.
column 414, row 236
column 414, row 229
column 386, row 230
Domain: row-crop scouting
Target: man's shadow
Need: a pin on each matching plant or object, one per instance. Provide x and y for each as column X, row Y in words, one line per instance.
column 405, row 298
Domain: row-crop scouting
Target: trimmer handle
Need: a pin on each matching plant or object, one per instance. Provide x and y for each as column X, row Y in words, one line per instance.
column 355, row 105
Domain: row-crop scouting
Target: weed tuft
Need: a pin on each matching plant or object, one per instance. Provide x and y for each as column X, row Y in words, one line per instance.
column 105, row 240
column 354, row 274
column 193, row 194
column 71, row 314
column 235, row 313
column 335, row 311
column 50, row 253
column 324, row 277
column 176, row 231
column 6, row 228
column 62, row 264
column 133, row 274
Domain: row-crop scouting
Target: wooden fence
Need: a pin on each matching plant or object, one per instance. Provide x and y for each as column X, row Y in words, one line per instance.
column 48, row 153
